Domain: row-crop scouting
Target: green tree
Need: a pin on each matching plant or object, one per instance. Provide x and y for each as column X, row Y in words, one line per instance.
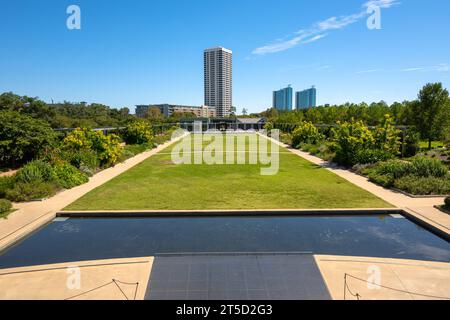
column 430, row 114
column 153, row 114
column 22, row 138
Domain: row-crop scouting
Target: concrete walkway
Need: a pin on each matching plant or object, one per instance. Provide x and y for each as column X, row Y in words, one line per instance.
column 421, row 208
column 112, row 279
column 398, row 279
column 31, row 215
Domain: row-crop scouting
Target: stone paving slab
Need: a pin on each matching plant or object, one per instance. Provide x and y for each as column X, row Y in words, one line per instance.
column 236, row 277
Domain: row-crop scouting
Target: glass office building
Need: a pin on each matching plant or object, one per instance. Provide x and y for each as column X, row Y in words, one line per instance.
column 282, row 99
column 306, row 99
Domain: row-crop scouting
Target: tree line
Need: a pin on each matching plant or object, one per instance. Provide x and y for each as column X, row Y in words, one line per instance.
column 428, row 115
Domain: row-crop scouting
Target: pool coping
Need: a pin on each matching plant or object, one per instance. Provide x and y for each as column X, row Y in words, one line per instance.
column 223, row 213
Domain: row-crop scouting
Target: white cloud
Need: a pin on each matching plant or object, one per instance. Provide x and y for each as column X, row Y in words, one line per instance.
column 413, row 69
column 314, row 39
column 443, row 67
column 315, row 32
column 323, row 68
column 367, row 71
column 335, row 23
column 381, row 3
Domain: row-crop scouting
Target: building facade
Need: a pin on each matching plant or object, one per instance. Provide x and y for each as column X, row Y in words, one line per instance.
column 306, row 99
column 218, row 80
column 168, row 110
column 282, row 99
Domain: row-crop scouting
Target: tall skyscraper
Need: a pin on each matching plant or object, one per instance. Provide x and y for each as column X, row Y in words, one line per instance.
column 282, row 99
column 218, row 80
column 305, row 99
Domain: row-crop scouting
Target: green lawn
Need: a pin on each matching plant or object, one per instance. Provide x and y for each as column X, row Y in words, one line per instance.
column 158, row 184
column 434, row 144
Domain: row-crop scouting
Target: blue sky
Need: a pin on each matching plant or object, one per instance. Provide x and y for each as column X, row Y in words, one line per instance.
column 141, row 52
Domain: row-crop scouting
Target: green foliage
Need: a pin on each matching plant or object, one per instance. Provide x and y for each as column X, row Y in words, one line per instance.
column 78, row 139
column 36, row 170
column 107, row 148
column 138, row 132
column 67, row 176
column 411, row 144
column 385, row 180
column 5, row 184
column 130, row 150
column 84, row 158
column 5, row 206
column 387, row 136
column 423, row 185
column 268, row 127
column 35, row 190
column 421, row 176
column 426, row 167
column 447, row 202
column 348, row 138
column 126, row 154
column 431, row 113
column 370, row 156
column 22, row 138
column 306, row 132
column 395, row 168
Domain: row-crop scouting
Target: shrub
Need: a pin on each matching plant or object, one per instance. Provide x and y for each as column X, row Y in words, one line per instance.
column 425, row 167
column 364, row 169
column 31, row 191
column 78, row 139
column 411, row 144
column 370, row 156
column 395, row 168
column 306, row 132
column 22, row 138
column 84, row 158
column 387, row 136
column 67, row 176
column 447, row 202
column 126, row 154
column 348, row 138
column 5, row 184
column 107, row 148
column 385, row 180
column 5, row 206
column 138, row 132
column 37, row 170
column 423, row 185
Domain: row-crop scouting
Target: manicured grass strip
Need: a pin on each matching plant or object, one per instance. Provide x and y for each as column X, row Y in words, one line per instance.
column 158, row 184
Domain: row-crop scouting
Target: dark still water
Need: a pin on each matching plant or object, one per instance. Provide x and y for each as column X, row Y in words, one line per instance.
column 88, row 239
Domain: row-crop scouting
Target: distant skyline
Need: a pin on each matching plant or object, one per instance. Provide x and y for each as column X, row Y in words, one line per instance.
column 143, row 52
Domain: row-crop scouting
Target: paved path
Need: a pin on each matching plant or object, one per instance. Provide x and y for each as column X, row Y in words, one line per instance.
column 31, row 215
column 421, row 208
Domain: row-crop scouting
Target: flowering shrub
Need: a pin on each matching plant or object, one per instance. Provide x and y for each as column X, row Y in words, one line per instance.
column 306, row 132
column 387, row 136
column 138, row 132
column 348, row 138
column 78, row 139
column 107, row 148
